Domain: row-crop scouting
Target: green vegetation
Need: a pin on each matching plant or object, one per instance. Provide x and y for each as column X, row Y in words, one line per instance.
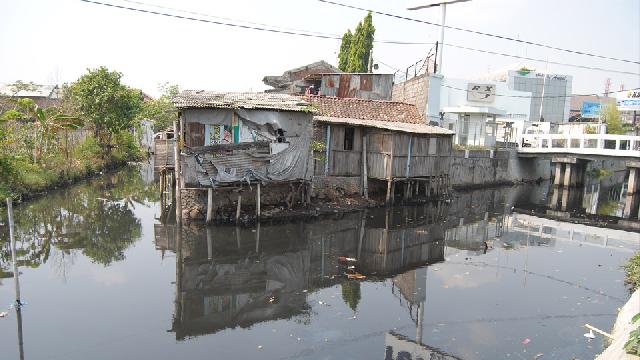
column 632, row 346
column 88, row 130
column 351, row 294
column 632, row 270
column 599, row 173
column 356, row 47
column 161, row 110
column 611, row 117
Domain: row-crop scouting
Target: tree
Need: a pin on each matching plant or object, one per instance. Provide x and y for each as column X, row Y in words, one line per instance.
column 351, row 294
column 161, row 111
column 105, row 102
column 611, row 117
column 355, row 48
column 343, row 56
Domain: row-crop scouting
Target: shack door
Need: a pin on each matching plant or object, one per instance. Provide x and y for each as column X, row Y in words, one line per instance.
column 196, row 134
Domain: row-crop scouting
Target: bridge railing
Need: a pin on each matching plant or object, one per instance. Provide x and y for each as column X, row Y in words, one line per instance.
column 585, row 144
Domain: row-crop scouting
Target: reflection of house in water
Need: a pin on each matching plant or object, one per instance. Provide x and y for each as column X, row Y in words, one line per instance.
column 239, row 277
column 400, row 347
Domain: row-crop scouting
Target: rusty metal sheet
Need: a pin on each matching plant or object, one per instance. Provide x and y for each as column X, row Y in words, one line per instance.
column 343, row 88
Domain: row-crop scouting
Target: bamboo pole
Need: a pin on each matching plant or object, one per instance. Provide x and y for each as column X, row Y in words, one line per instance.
column 209, row 205
column 590, row 327
column 176, row 153
column 258, row 202
column 238, row 208
column 12, row 240
column 365, row 185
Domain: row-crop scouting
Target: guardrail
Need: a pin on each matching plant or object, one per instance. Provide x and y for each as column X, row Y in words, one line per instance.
column 582, row 144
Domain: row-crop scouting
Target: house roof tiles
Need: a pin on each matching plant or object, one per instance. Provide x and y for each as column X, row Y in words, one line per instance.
column 239, row 100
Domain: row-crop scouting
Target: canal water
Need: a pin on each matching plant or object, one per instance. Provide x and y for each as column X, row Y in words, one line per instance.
column 102, row 278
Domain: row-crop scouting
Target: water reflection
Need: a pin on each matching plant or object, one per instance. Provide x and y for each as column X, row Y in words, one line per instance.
column 231, row 277
column 95, row 218
column 606, row 197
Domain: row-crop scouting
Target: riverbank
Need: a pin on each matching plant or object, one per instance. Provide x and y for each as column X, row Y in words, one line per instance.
column 621, row 330
column 23, row 180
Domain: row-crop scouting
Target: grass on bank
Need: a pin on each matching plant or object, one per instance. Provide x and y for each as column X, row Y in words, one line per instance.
column 632, row 278
column 20, row 177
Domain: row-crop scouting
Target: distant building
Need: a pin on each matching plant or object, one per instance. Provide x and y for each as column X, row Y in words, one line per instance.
column 297, row 81
column 586, row 108
column 550, row 93
column 478, row 110
column 42, row 95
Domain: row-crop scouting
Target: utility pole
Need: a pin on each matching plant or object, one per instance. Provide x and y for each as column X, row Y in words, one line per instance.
column 423, row 4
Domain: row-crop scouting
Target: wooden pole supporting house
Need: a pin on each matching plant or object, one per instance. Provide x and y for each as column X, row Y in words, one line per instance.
column 327, row 155
column 238, row 208
column 258, row 202
column 390, row 174
column 257, row 237
column 209, row 205
column 365, row 175
column 176, row 153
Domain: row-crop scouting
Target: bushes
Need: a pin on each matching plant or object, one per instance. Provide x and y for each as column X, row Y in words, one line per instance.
column 632, row 270
column 19, row 176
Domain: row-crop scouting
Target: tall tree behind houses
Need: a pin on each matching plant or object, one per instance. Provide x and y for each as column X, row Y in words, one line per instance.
column 356, row 48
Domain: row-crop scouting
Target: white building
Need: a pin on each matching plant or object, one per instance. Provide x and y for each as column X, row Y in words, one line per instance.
column 550, row 93
column 478, row 111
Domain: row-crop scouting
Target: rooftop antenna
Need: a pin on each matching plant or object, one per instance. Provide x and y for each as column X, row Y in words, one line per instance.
column 607, row 87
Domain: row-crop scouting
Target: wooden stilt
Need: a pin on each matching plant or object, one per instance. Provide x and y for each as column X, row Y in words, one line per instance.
column 238, row 208
column 365, row 175
column 209, row 205
column 178, row 184
column 258, row 202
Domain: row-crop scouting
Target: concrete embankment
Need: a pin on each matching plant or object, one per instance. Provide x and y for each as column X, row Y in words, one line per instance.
column 621, row 330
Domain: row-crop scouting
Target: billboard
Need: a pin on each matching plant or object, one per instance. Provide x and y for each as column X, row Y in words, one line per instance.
column 628, row 100
column 481, row 92
column 590, row 109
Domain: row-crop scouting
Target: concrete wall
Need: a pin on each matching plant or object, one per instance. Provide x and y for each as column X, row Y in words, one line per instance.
column 478, row 168
column 413, row 91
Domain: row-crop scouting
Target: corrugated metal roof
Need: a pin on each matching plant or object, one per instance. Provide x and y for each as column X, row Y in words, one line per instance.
column 240, row 100
column 387, row 125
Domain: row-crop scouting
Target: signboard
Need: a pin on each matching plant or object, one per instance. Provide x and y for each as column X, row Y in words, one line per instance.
column 628, row 100
column 481, row 92
column 590, row 109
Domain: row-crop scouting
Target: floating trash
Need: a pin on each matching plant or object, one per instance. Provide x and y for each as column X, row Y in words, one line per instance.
column 526, row 341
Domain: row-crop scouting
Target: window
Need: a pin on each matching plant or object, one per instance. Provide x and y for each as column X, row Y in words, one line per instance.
column 348, row 138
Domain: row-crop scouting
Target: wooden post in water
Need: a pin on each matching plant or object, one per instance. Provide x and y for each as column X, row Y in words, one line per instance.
column 238, row 209
column 209, row 205
column 365, row 175
column 258, row 202
column 390, row 174
column 12, row 241
column 176, row 152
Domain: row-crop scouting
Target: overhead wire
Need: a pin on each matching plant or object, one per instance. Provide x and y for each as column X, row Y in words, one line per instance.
column 476, row 32
column 306, row 33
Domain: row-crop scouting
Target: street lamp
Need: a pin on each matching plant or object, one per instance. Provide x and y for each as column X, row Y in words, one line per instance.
column 423, row 4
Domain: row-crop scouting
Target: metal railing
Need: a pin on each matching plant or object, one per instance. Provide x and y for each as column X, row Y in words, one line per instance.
column 582, row 144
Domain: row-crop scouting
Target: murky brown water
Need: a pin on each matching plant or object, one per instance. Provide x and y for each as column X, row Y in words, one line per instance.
column 103, row 279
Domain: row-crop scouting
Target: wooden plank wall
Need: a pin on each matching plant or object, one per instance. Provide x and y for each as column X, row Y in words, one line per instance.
column 426, row 160
column 163, row 153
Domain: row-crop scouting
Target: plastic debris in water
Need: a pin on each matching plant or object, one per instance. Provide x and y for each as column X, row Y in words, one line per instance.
column 348, row 259
column 590, row 335
column 3, row 314
column 356, row 276
column 259, row 346
column 526, row 341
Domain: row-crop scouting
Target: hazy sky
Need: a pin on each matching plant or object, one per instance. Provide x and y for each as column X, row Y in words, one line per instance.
column 48, row 41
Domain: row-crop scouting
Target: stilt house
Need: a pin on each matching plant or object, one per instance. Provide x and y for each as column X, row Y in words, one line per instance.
column 381, row 140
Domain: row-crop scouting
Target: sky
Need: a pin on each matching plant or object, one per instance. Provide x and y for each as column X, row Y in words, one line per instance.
column 56, row 41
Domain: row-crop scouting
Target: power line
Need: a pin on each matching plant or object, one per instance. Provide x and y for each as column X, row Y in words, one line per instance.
column 543, row 97
column 252, row 26
column 545, row 61
column 310, row 34
column 502, row 37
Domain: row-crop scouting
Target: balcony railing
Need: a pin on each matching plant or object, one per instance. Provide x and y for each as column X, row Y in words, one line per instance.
column 582, row 144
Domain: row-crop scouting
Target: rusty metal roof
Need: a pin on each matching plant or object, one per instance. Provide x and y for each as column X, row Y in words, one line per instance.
column 390, row 115
column 239, row 100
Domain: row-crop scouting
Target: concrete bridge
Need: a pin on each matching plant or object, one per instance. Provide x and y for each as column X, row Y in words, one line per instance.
column 570, row 154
